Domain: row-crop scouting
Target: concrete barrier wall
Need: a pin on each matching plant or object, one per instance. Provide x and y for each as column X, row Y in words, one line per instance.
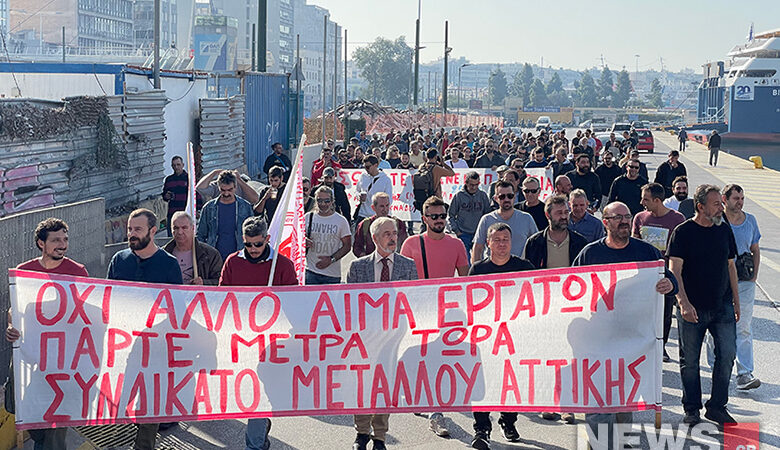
column 86, row 240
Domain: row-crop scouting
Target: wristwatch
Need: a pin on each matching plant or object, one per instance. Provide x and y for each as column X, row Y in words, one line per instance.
column 332, row 259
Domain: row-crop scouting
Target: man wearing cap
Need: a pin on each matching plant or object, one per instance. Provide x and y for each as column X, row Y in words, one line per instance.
column 329, row 175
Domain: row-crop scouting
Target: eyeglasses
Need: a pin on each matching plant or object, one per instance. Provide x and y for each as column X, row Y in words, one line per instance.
column 620, row 217
column 254, row 244
column 531, row 191
column 441, row 216
column 506, row 196
column 324, row 200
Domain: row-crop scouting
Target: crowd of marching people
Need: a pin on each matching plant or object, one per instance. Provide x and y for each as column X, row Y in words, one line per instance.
column 604, row 209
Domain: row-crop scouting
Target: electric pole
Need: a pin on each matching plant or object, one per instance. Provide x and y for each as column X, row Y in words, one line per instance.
column 447, row 50
column 156, row 63
column 262, row 26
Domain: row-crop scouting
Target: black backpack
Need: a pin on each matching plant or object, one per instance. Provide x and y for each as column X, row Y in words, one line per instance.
column 422, row 185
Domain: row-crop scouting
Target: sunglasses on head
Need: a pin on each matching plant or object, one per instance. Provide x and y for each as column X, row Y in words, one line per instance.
column 254, row 244
column 505, row 196
column 436, row 216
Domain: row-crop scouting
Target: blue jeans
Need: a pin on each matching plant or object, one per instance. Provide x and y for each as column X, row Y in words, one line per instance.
column 257, row 434
column 747, row 298
column 468, row 241
column 721, row 324
column 316, row 278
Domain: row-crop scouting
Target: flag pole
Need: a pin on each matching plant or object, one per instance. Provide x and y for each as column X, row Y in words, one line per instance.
column 191, row 206
column 286, row 202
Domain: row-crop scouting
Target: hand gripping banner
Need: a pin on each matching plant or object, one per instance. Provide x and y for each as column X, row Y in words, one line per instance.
column 95, row 351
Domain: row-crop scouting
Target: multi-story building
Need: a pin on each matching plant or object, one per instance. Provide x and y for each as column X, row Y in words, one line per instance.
column 143, row 18
column 309, row 21
column 94, row 26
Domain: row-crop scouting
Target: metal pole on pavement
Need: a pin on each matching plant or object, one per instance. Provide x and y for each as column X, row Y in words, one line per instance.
column 324, row 78
column 63, row 44
column 156, row 62
column 345, row 89
column 262, row 26
column 335, row 79
column 446, row 63
column 254, row 43
column 299, row 103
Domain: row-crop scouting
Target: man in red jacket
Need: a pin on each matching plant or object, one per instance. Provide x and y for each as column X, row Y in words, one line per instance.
column 252, row 267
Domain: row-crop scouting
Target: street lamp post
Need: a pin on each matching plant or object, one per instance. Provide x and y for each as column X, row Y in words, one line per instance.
column 459, row 69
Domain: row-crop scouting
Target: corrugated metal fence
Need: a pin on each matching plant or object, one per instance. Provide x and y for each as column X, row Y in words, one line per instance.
column 222, row 133
column 267, row 116
column 86, row 236
column 64, row 167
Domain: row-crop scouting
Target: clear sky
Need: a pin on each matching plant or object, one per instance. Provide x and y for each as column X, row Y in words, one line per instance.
column 567, row 33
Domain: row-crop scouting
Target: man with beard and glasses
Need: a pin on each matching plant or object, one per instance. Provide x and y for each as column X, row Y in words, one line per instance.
column 51, row 238
column 679, row 200
column 701, row 254
column 627, row 188
column 618, row 247
column 251, row 266
column 221, row 218
column 341, row 205
column 328, row 239
column 144, row 261
column 501, row 260
column 382, row 265
column 362, row 244
column 654, row 226
column 522, row 224
column 583, row 178
column 607, row 171
column 436, row 255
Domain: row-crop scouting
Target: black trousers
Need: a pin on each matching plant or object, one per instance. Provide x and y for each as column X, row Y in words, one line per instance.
column 669, row 302
column 482, row 420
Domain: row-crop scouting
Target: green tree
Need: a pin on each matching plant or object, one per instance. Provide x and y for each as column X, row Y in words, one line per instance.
column 586, row 91
column 605, row 91
column 385, row 64
column 537, row 96
column 622, row 90
column 497, row 86
column 560, row 99
column 555, row 84
column 656, row 94
column 521, row 83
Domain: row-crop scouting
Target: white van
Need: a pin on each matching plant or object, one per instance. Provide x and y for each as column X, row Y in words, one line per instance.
column 543, row 123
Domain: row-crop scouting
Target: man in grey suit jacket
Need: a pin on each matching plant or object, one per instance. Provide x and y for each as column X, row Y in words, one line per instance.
column 384, row 264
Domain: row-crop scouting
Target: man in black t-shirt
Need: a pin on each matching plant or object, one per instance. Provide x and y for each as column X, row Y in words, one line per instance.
column 701, row 254
column 499, row 241
column 531, row 204
column 618, row 247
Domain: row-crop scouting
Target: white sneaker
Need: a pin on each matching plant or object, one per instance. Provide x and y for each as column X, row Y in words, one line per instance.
column 747, row 381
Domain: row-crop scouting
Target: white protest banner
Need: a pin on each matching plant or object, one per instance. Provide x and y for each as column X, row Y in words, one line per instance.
column 93, row 351
column 403, row 195
column 402, row 206
column 547, row 184
column 451, row 185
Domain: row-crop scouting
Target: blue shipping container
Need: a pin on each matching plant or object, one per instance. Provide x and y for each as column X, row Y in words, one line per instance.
column 267, row 116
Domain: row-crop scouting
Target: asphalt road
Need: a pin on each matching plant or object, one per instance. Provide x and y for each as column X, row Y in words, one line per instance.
column 408, row 431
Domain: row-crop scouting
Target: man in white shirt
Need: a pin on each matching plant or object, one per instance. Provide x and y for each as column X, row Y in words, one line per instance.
column 328, row 239
column 679, row 193
column 371, row 182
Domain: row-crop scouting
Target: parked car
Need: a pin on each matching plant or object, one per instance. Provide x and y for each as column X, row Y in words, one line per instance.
column 646, row 140
column 620, row 127
column 543, row 123
column 637, row 124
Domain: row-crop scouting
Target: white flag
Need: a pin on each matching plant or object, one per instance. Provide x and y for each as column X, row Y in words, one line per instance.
column 288, row 228
column 191, row 182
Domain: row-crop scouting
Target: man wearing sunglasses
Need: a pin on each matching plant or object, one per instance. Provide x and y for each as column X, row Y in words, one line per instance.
column 436, row 255
column 618, row 247
column 531, row 204
column 371, row 182
column 627, row 188
column 328, row 239
column 251, row 266
column 522, row 224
